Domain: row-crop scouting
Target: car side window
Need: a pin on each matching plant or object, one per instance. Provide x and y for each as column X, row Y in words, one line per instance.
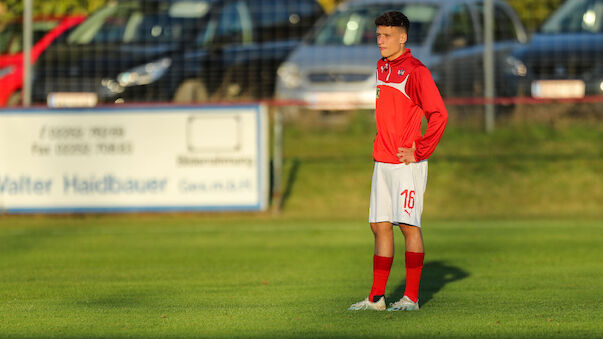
column 457, row 32
column 303, row 17
column 10, row 39
column 504, row 28
column 284, row 19
column 576, row 17
column 234, row 25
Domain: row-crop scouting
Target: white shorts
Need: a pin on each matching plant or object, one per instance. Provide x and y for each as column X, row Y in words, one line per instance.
column 397, row 193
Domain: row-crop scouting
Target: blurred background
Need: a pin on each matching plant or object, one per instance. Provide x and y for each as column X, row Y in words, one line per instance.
column 312, row 62
column 318, row 54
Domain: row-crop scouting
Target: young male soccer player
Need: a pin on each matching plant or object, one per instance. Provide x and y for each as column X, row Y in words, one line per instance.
column 405, row 93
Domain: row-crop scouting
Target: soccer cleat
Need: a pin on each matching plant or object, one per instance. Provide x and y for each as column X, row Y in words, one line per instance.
column 368, row 305
column 404, row 304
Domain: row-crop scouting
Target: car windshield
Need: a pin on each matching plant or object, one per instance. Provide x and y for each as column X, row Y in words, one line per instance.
column 11, row 37
column 356, row 26
column 578, row 16
column 142, row 22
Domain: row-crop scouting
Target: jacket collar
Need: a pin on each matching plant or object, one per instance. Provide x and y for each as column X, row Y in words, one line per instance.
column 407, row 54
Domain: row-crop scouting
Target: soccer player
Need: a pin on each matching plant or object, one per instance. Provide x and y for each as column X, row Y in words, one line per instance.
column 405, row 93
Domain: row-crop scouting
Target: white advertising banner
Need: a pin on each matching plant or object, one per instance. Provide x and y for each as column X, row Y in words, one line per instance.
column 133, row 159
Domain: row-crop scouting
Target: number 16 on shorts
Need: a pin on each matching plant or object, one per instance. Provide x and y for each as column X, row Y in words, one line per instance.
column 407, row 201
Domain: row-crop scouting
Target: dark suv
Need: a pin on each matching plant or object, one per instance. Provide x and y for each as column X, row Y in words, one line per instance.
column 564, row 59
column 174, row 50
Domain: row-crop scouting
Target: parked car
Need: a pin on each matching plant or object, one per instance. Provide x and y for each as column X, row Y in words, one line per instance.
column 334, row 69
column 174, row 50
column 45, row 31
column 564, row 59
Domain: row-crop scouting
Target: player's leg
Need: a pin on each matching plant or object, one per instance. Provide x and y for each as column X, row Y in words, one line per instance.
column 382, row 264
column 380, row 221
column 413, row 238
column 384, row 238
column 413, row 258
column 382, row 258
column 414, row 255
column 411, row 183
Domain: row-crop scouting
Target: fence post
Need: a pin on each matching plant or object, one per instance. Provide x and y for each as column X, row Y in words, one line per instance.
column 27, row 43
column 489, row 65
column 277, row 161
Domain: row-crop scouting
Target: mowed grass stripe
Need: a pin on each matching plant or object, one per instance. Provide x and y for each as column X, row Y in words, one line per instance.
column 195, row 277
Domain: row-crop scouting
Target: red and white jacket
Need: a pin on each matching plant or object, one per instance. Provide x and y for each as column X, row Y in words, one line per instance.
column 405, row 92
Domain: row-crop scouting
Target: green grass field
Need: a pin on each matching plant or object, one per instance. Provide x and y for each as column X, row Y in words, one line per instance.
column 512, row 225
column 233, row 277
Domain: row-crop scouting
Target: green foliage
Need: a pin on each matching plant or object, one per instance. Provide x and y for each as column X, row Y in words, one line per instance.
column 330, row 5
column 10, row 9
column 533, row 12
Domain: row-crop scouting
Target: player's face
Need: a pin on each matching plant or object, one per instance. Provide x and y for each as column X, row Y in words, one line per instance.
column 391, row 41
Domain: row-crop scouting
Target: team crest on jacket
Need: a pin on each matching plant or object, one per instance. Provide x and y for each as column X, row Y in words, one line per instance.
column 400, row 72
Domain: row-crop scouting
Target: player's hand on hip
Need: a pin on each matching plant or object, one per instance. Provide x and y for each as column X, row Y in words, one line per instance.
column 407, row 155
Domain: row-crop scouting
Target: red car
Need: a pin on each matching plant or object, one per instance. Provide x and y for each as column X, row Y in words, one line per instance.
column 45, row 31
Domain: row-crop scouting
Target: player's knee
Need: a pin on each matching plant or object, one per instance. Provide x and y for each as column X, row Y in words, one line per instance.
column 374, row 228
column 410, row 231
column 381, row 228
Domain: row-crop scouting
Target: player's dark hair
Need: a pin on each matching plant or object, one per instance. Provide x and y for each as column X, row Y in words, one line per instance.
column 394, row 19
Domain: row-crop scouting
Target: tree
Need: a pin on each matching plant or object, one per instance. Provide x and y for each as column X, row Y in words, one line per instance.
column 533, row 12
column 11, row 9
column 330, row 5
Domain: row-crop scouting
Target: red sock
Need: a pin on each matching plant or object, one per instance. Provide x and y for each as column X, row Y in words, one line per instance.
column 381, row 268
column 414, row 266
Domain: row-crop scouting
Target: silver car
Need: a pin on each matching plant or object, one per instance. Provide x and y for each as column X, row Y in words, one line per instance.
column 334, row 68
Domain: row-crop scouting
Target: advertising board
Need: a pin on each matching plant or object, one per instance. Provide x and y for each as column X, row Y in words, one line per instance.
column 134, row 159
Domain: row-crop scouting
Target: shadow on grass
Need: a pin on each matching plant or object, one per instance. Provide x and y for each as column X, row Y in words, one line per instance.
column 435, row 275
column 290, row 180
column 116, row 299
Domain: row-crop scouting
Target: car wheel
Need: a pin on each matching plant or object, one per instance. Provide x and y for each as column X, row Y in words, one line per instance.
column 192, row 90
column 233, row 89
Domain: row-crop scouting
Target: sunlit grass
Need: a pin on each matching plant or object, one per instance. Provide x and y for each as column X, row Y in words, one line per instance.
column 189, row 276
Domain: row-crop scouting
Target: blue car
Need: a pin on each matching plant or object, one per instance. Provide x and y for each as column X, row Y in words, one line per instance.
column 564, row 59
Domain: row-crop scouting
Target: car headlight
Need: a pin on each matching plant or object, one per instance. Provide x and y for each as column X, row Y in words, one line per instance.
column 289, row 74
column 4, row 71
column 516, row 66
column 144, row 74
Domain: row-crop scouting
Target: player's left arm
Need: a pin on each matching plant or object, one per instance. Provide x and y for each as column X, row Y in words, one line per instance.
column 423, row 92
